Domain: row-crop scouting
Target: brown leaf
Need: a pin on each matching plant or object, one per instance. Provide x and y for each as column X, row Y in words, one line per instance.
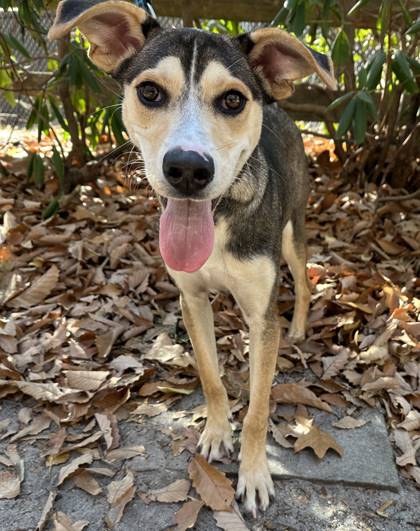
column 414, row 472
column 63, row 523
column 164, row 351
column 69, row 469
column 124, row 453
column 297, row 394
column 384, row 382
column 87, row 482
column 320, row 441
column 390, row 247
column 117, row 489
column 174, row 492
column 105, row 342
column 186, row 517
column 51, row 391
column 39, row 424
column 349, row 423
column 38, row 291
column 46, row 511
column 378, row 351
column 9, row 485
column 404, row 443
column 230, row 520
column 85, row 380
column 212, row 485
column 120, row 493
column 105, row 424
column 278, row 436
column 334, row 364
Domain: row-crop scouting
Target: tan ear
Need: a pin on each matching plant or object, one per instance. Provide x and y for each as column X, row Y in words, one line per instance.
column 279, row 59
column 115, row 29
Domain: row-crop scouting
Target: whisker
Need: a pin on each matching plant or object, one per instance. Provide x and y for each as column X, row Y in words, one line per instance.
column 113, row 150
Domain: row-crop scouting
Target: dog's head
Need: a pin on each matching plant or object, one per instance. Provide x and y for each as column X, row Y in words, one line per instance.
column 192, row 100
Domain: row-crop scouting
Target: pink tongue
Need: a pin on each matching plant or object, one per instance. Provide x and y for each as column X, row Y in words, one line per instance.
column 186, row 234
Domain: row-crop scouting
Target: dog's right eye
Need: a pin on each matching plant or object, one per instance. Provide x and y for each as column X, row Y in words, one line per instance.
column 151, row 94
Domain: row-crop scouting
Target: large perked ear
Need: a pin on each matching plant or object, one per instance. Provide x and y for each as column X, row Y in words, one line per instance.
column 115, row 29
column 279, row 59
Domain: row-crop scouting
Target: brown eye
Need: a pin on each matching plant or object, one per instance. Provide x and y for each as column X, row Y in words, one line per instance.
column 231, row 102
column 151, row 94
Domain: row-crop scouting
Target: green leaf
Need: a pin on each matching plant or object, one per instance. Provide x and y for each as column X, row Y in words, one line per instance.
column 375, row 70
column 406, row 14
column 360, row 122
column 58, row 165
column 369, row 101
column 384, row 16
column 346, row 118
column 415, row 28
column 52, row 208
column 362, row 77
column 337, row 102
column 341, row 49
column 36, row 169
column 414, row 65
column 297, row 21
column 58, row 114
column 280, row 18
column 357, row 6
column 401, row 68
column 17, row 45
column 117, row 126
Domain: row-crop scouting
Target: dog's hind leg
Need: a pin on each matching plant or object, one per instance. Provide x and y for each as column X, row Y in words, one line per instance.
column 198, row 318
column 294, row 252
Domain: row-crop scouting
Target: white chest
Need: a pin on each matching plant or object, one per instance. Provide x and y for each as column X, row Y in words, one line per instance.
column 224, row 272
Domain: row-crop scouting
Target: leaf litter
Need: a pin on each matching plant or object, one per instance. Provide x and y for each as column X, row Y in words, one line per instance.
column 91, row 332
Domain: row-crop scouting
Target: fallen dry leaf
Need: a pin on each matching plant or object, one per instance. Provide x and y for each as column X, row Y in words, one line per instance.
column 297, row 394
column 334, row 364
column 174, row 492
column 278, row 436
column 349, row 423
column 230, row 520
column 9, row 485
column 214, row 488
column 120, row 493
column 68, row 470
column 85, row 380
column 384, row 507
column 46, row 511
column 124, row 453
column 38, row 291
column 320, row 442
column 186, row 517
column 87, row 482
column 63, row 523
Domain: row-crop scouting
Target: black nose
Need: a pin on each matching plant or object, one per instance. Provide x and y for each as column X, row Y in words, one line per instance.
column 187, row 171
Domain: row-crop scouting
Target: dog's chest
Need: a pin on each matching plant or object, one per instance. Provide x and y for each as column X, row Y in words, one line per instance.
column 224, row 272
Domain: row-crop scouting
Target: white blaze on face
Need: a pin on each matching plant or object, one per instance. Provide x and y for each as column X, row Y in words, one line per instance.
column 190, row 121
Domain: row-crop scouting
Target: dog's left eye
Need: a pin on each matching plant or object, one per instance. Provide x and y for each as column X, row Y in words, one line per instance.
column 151, row 94
column 231, row 102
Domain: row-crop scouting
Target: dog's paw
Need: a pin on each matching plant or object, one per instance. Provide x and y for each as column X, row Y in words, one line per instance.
column 255, row 481
column 216, row 440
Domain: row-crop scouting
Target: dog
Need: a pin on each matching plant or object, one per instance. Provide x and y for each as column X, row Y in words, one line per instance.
column 230, row 169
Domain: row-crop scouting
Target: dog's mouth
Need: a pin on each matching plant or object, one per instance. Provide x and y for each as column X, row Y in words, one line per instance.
column 186, row 235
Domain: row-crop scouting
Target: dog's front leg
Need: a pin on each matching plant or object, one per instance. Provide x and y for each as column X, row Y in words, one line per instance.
column 198, row 318
column 254, row 475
